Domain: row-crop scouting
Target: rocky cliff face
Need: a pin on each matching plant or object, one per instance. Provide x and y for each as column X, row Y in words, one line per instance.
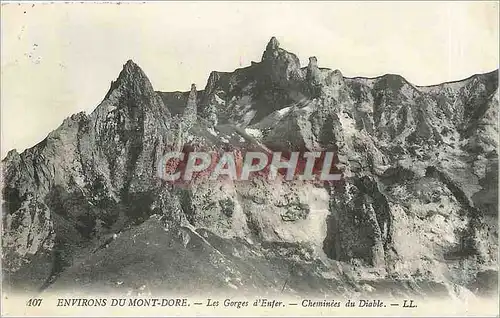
column 416, row 211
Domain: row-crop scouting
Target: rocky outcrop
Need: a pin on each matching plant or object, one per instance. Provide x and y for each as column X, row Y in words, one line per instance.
column 313, row 77
column 417, row 203
column 281, row 66
column 190, row 111
column 87, row 178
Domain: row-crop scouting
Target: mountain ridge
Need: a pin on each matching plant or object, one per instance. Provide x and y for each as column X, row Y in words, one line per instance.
column 180, row 92
column 418, row 198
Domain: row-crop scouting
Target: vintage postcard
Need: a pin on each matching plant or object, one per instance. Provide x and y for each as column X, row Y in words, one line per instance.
column 249, row 158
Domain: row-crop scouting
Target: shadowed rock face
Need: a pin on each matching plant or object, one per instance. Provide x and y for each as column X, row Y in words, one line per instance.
column 416, row 211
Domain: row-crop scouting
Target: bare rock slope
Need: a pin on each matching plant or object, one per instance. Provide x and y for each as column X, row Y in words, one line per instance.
column 416, row 211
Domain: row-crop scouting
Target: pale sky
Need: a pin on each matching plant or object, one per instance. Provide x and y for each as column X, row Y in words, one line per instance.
column 59, row 59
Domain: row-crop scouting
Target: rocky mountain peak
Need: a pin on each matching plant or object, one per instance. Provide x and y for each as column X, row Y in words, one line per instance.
column 313, row 62
column 131, row 71
column 281, row 65
column 411, row 193
column 132, row 79
column 273, row 51
column 273, row 44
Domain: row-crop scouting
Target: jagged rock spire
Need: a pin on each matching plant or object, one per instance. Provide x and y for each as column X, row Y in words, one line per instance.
column 132, row 79
column 282, row 65
column 273, row 44
column 189, row 116
column 313, row 62
column 208, row 108
column 132, row 72
column 272, row 49
column 190, row 110
column 313, row 76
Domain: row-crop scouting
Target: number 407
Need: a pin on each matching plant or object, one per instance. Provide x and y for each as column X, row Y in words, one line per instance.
column 34, row 302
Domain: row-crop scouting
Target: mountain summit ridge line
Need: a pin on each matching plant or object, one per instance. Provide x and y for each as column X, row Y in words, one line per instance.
column 418, row 198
